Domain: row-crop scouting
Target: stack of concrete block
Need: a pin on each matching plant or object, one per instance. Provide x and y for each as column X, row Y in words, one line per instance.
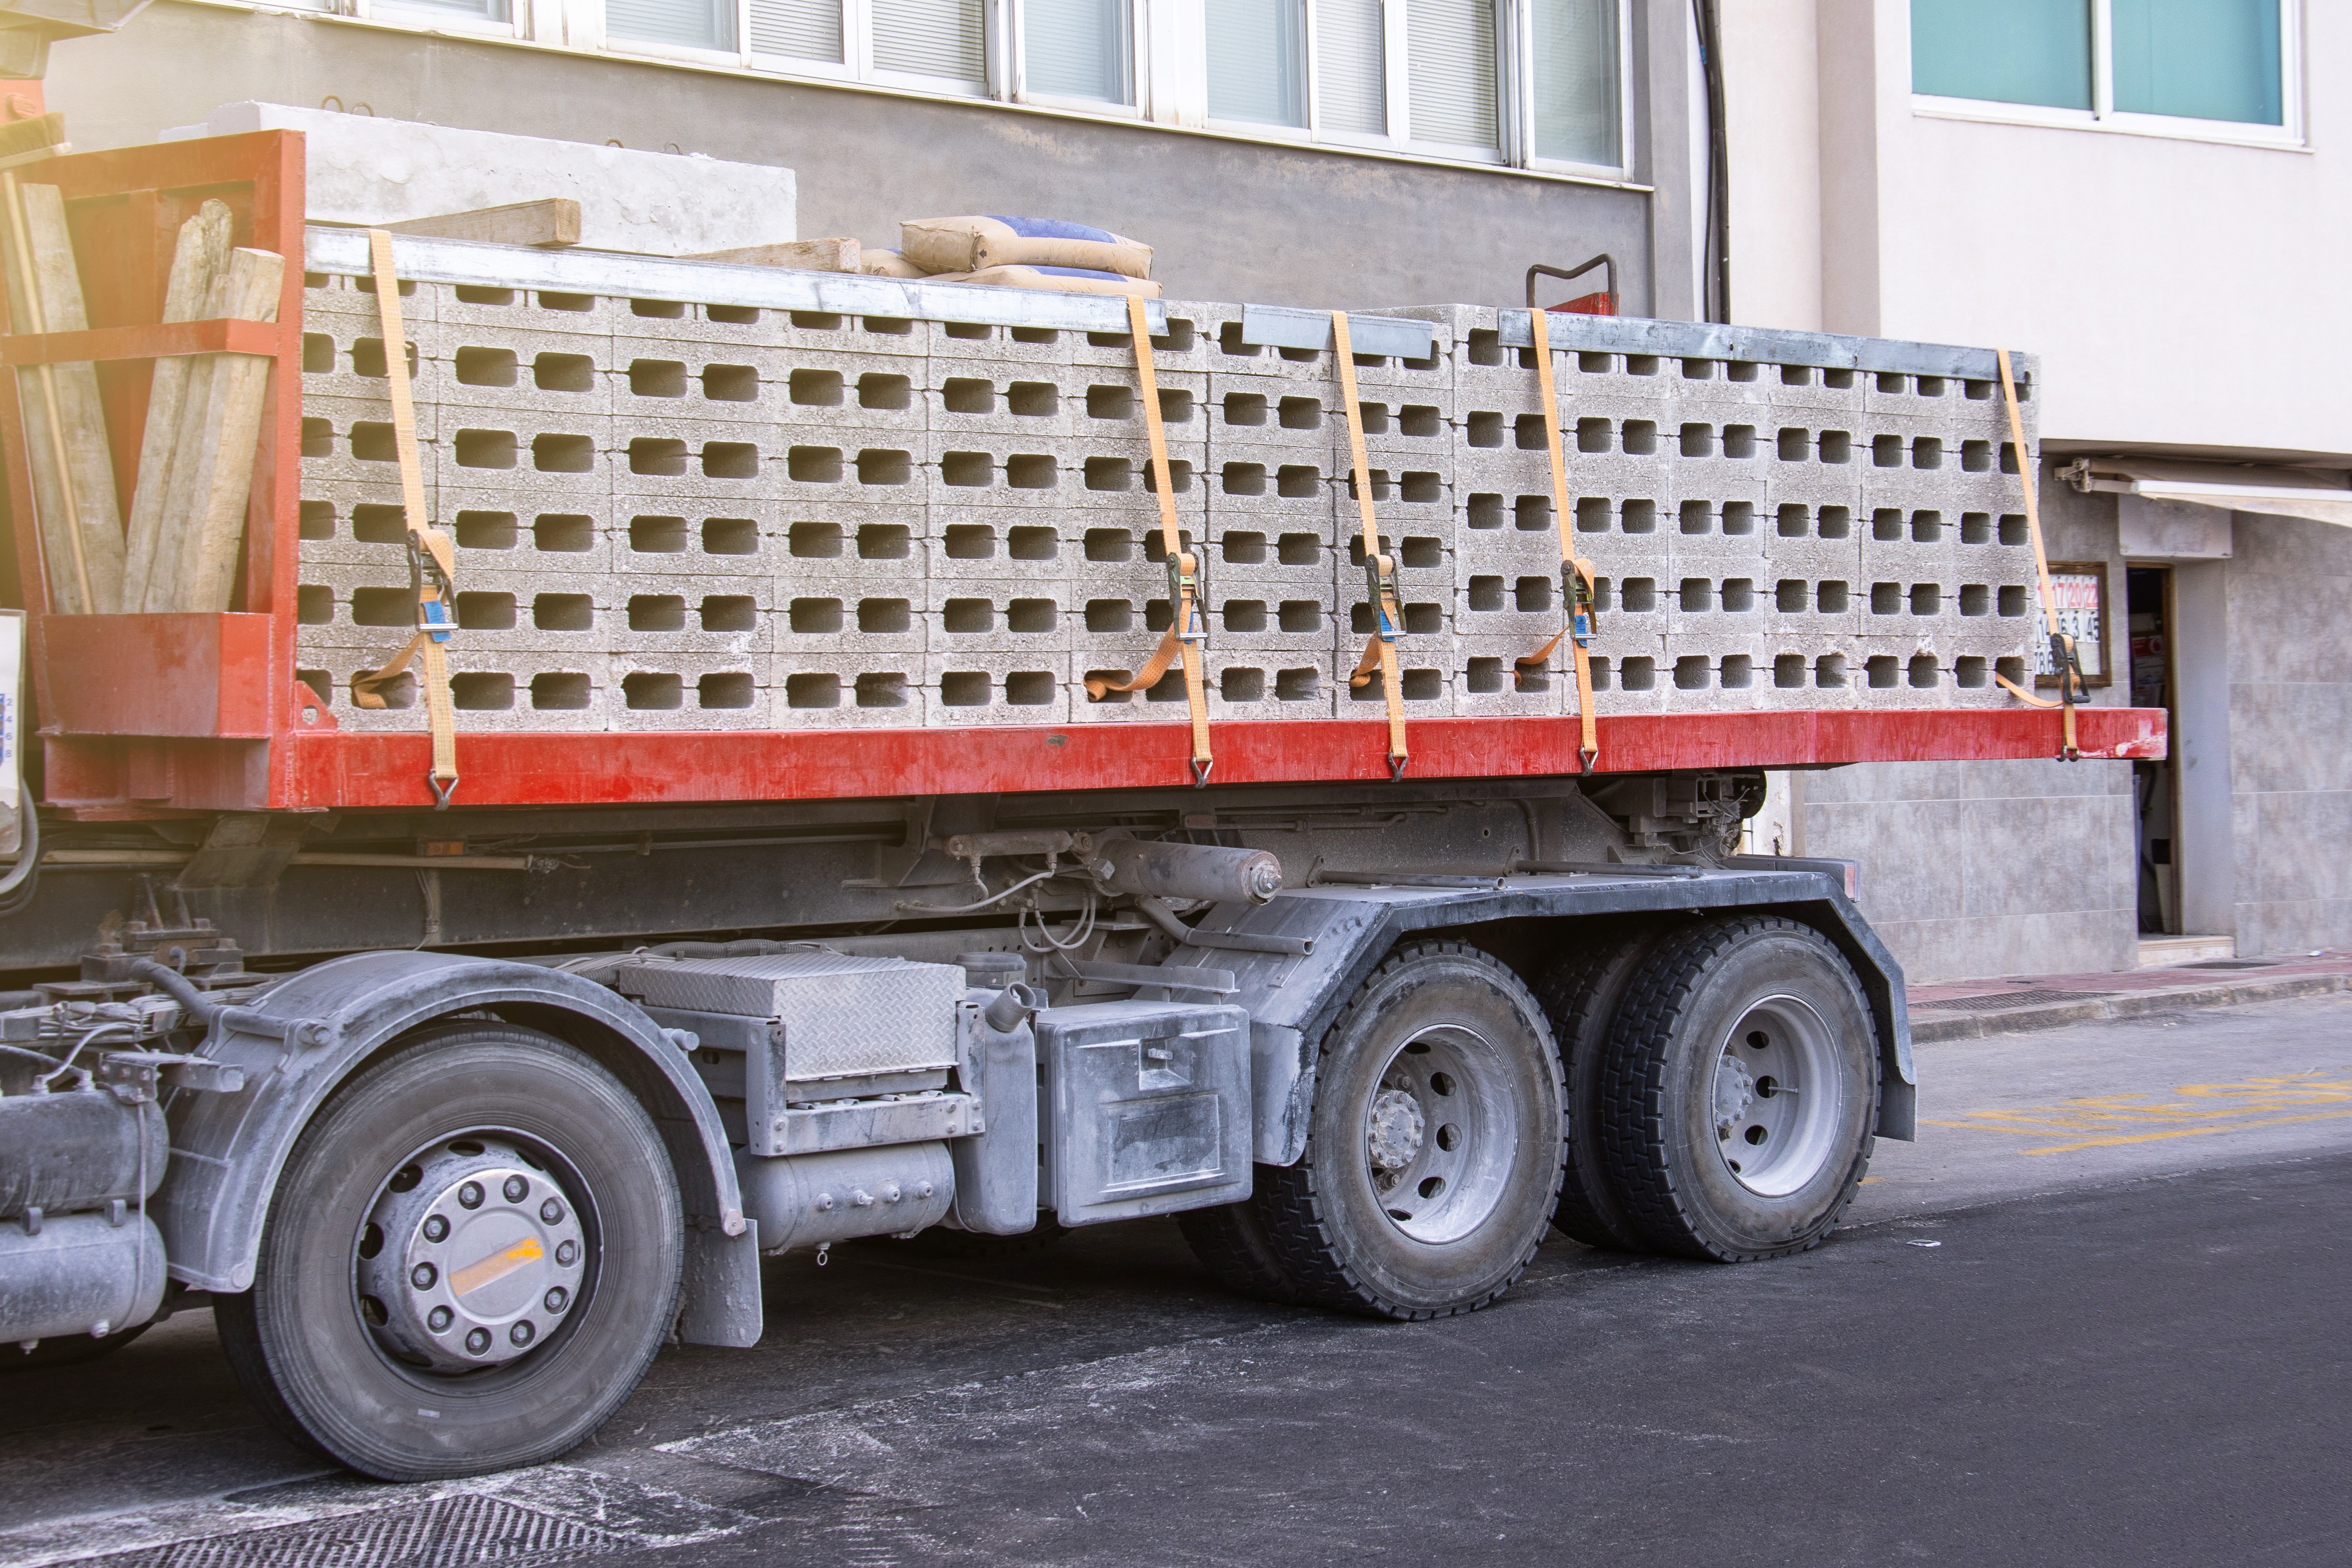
column 676, row 516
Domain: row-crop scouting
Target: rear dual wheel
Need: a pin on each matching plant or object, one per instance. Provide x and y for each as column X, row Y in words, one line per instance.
column 1433, row 1154
column 1738, row 1091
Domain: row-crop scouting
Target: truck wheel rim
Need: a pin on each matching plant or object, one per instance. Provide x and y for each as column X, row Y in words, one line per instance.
column 1441, row 1134
column 474, row 1255
column 1778, row 1097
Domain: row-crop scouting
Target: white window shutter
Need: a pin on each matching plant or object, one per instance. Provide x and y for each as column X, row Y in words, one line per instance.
column 797, row 29
column 1351, row 67
column 1258, row 60
column 930, row 37
column 697, row 24
column 1077, row 48
column 1576, row 76
column 1451, row 72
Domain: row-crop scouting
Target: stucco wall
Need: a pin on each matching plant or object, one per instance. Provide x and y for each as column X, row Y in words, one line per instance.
column 2176, row 288
column 2290, row 661
column 1231, row 219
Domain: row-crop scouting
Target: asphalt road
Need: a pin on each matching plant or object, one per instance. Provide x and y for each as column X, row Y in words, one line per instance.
column 2095, row 1315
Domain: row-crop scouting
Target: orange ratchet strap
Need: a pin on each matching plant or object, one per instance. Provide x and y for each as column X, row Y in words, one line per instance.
column 2071, row 689
column 1380, row 570
column 1187, row 630
column 1575, row 574
column 432, row 565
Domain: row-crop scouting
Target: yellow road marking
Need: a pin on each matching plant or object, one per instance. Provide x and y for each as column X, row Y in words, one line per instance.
column 2184, row 1133
column 2206, row 1107
column 496, row 1266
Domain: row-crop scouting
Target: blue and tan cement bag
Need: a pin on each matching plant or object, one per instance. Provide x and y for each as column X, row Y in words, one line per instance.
column 974, row 244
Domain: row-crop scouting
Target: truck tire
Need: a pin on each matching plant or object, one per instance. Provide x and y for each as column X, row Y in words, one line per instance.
column 1434, row 1147
column 471, row 1258
column 1232, row 1243
column 1579, row 994
column 1738, row 1092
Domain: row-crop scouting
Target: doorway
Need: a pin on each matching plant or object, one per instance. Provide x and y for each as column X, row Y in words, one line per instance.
column 2148, row 607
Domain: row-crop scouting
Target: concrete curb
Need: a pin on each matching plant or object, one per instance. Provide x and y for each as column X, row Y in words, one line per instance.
column 1940, row 1026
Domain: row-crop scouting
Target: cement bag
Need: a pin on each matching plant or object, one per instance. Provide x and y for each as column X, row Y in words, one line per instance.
column 971, row 243
column 1064, row 279
column 887, row 264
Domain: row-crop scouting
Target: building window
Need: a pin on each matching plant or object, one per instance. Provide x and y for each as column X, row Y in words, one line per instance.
column 2200, row 60
column 687, row 24
column 1579, row 107
column 935, row 43
column 2218, row 60
column 494, row 11
column 1077, row 49
column 1256, row 59
column 1529, row 81
column 1351, row 51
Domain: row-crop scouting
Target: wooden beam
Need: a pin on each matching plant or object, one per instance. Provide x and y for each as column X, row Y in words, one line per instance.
column 71, row 457
column 554, row 221
column 201, row 251
column 807, row 255
column 206, row 516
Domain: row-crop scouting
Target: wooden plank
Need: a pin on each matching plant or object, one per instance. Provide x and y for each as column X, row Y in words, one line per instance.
column 159, row 340
column 204, row 520
column 71, row 458
column 551, row 222
column 203, row 250
column 808, row 255
column 41, row 133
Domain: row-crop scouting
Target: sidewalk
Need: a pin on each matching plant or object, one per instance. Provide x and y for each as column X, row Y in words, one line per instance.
column 1971, row 1009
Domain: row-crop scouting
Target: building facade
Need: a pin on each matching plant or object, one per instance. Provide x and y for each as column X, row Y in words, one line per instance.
column 2147, row 195
column 1337, row 153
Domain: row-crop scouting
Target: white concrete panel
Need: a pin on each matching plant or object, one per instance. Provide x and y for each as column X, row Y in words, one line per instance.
column 366, row 170
column 1772, row 104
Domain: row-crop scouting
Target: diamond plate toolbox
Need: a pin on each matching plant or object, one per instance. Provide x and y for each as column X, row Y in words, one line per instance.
column 844, row 1016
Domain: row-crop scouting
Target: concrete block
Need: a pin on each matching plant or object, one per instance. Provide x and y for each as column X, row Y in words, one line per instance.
column 548, row 455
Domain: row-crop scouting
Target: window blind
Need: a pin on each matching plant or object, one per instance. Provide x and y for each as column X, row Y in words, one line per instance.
column 930, row 37
column 2003, row 51
column 484, row 10
column 1258, row 60
column 1576, row 108
column 697, row 24
column 2204, row 60
column 797, row 29
column 1450, row 56
column 1351, row 67
column 1077, row 48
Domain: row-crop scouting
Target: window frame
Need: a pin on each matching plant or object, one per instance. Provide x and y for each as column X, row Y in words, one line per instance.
column 1514, row 99
column 2289, row 134
column 1015, row 65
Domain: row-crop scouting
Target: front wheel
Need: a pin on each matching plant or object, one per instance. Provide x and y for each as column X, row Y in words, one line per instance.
column 472, row 1256
column 1739, row 1091
column 1434, row 1150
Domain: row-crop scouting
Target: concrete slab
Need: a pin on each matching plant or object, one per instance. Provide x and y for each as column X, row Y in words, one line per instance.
column 363, row 169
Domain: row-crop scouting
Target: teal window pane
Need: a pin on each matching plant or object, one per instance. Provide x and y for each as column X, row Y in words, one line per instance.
column 2007, row 51
column 2202, row 59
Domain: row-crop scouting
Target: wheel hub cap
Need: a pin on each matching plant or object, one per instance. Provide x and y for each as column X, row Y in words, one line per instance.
column 471, row 1256
column 1778, row 1097
column 1395, row 1130
column 1440, row 1134
column 1735, row 1091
